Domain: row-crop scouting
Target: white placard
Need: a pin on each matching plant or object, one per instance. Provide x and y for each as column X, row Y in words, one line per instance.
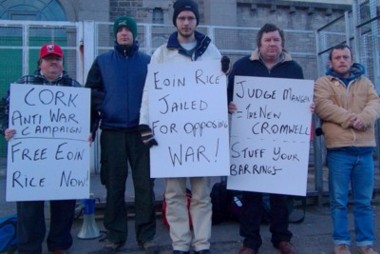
column 188, row 116
column 270, row 135
column 48, row 158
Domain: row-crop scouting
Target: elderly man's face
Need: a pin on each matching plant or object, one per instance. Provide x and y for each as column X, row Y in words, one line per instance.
column 271, row 46
column 51, row 66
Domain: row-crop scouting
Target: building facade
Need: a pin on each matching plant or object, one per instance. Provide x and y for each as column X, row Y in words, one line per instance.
column 296, row 14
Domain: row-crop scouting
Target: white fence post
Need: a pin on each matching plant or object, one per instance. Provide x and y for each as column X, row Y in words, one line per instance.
column 89, row 54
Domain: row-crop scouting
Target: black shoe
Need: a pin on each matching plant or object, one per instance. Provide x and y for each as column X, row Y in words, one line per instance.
column 202, row 252
column 150, row 247
column 109, row 248
column 180, row 252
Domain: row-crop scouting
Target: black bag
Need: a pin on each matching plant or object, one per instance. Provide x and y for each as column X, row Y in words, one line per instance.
column 221, row 199
column 227, row 205
column 236, row 206
column 296, row 207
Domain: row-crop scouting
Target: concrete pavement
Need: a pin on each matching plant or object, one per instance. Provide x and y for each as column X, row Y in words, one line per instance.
column 313, row 236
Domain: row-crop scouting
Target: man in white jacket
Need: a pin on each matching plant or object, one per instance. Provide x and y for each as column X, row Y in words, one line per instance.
column 184, row 45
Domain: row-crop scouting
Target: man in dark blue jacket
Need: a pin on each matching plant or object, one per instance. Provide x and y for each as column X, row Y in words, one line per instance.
column 117, row 79
column 268, row 60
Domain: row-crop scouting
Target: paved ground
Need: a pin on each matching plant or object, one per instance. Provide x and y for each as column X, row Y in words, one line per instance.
column 310, row 237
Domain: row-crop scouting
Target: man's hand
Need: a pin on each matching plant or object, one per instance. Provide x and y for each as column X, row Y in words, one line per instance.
column 225, row 61
column 358, row 124
column 232, row 107
column 147, row 136
column 312, row 107
column 9, row 133
column 90, row 139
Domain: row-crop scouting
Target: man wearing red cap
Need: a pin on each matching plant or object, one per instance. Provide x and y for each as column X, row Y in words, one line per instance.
column 30, row 214
column 185, row 45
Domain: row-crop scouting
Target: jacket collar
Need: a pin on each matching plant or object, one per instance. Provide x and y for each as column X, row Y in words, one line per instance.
column 39, row 74
column 355, row 72
column 284, row 57
column 126, row 51
column 202, row 43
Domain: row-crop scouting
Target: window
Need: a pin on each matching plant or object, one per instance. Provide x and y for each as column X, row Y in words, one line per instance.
column 158, row 16
column 22, row 15
column 32, row 10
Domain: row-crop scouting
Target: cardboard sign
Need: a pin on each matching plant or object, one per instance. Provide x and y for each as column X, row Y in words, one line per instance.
column 48, row 158
column 270, row 135
column 188, row 116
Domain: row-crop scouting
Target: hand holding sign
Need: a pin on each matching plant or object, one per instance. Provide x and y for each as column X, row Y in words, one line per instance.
column 270, row 135
column 48, row 148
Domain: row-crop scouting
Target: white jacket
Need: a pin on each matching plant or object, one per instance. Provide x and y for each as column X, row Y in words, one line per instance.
column 165, row 54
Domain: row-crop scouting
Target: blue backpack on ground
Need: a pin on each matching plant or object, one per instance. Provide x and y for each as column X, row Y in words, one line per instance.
column 8, row 239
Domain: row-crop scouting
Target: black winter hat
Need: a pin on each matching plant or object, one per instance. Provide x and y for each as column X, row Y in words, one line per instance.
column 185, row 5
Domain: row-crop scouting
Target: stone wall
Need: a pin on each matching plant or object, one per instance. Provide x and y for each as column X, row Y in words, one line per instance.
column 308, row 14
column 134, row 8
column 287, row 14
column 298, row 19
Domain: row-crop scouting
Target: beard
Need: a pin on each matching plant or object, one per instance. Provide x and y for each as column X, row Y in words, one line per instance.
column 186, row 33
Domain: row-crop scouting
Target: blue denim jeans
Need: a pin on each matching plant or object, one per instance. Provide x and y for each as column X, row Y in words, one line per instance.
column 353, row 165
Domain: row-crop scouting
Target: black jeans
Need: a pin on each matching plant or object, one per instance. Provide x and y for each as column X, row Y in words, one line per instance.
column 31, row 226
column 252, row 215
column 117, row 149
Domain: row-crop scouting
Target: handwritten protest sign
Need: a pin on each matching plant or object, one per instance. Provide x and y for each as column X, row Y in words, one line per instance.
column 188, row 116
column 270, row 135
column 48, row 158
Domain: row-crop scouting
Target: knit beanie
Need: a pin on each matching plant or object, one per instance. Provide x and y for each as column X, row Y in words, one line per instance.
column 127, row 22
column 185, row 5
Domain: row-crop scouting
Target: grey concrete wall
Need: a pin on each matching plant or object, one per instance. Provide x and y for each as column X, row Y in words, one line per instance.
column 220, row 12
column 98, row 10
column 227, row 12
column 289, row 15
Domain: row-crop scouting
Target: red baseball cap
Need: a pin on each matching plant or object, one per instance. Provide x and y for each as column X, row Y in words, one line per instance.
column 50, row 49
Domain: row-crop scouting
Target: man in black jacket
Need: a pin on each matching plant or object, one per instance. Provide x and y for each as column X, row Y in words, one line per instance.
column 268, row 60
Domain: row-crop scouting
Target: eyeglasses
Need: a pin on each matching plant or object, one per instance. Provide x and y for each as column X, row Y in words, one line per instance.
column 183, row 19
